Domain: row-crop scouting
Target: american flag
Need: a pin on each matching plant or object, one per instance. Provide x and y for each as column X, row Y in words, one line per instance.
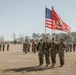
column 48, row 18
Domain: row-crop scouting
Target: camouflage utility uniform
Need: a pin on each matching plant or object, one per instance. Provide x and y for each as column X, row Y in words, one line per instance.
column 70, row 46
column 74, row 47
column 53, row 50
column 46, row 52
column 25, row 47
column 61, row 48
column 41, row 53
column 0, row 46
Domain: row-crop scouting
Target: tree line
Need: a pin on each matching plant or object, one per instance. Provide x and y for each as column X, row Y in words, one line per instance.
column 37, row 36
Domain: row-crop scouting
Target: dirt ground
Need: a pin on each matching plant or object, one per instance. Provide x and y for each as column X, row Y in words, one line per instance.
column 16, row 62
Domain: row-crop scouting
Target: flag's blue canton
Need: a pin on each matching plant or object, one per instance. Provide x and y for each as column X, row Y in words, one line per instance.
column 48, row 14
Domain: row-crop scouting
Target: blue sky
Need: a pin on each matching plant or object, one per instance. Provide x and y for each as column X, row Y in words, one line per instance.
column 28, row 16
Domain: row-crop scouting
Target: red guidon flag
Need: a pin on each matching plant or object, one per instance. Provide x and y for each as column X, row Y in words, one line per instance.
column 58, row 23
column 67, row 28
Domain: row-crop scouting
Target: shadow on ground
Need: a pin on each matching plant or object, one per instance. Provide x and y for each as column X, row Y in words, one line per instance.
column 30, row 69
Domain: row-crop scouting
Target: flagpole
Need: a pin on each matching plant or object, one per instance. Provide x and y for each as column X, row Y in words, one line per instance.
column 51, row 33
column 45, row 31
column 52, row 24
column 54, row 33
column 45, row 27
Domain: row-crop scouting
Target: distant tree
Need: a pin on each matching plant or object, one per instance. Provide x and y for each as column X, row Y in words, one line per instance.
column 42, row 36
column 20, row 38
column 73, row 35
column 56, row 36
column 36, row 37
column 48, row 36
column 67, row 37
column 14, row 38
column 27, row 38
column 2, row 38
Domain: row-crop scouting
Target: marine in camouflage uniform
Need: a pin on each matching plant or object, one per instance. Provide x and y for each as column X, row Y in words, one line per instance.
column 61, row 48
column 70, row 46
column 38, row 46
column 53, row 50
column 25, row 47
column 0, row 46
column 46, row 52
column 8, row 46
column 74, row 46
column 28, row 47
column 41, row 53
column 3, row 46
column 34, row 48
column 67, row 47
